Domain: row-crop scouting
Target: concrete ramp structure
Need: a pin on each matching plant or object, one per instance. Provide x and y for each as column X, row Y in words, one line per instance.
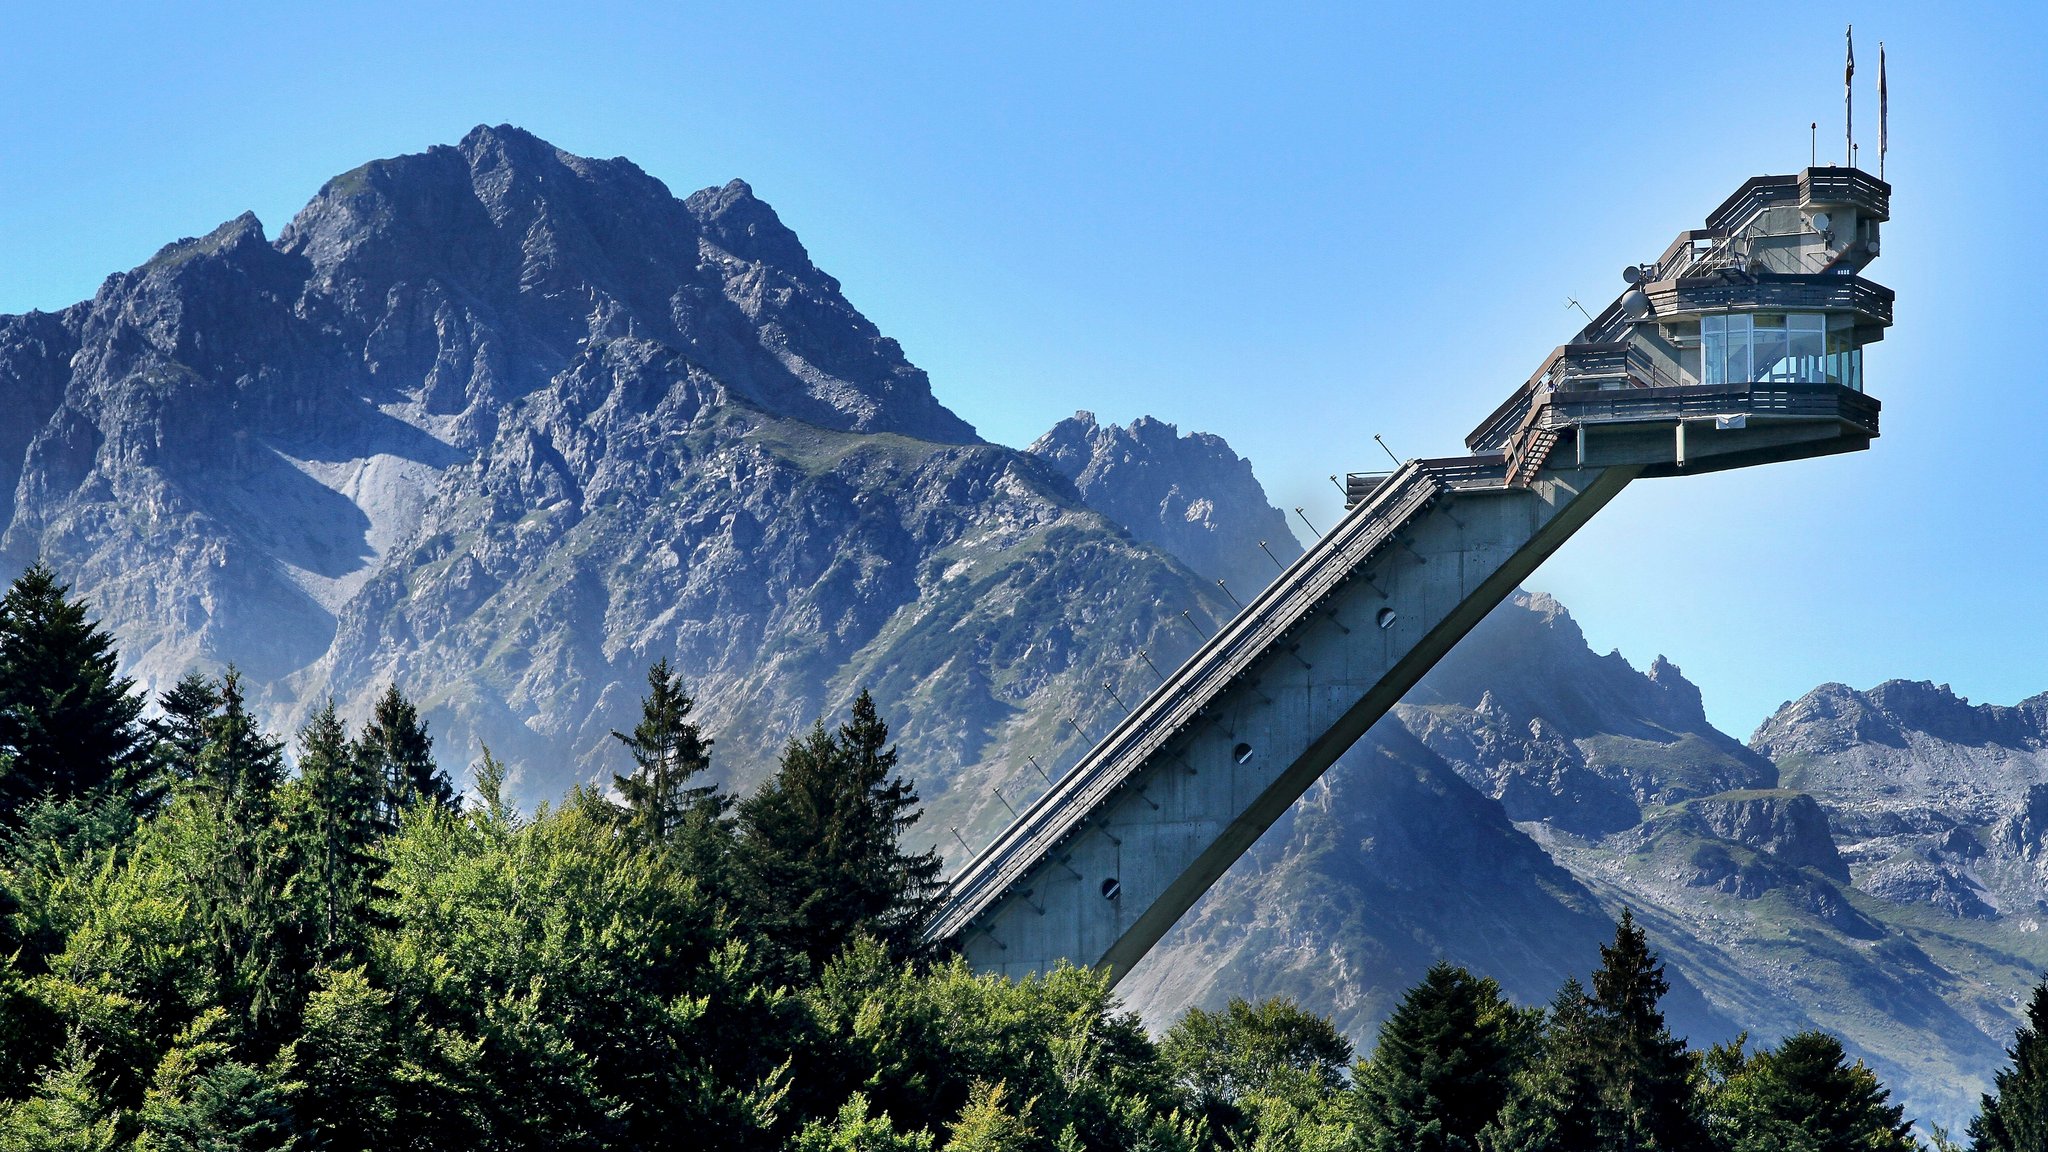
column 1741, row 345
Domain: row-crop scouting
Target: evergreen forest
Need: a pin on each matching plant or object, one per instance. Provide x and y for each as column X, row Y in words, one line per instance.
column 216, row 938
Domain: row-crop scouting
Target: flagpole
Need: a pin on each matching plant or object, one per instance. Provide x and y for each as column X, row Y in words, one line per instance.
column 1884, row 113
column 1849, row 102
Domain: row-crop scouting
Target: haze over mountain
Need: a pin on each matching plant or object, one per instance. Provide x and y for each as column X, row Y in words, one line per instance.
column 505, row 425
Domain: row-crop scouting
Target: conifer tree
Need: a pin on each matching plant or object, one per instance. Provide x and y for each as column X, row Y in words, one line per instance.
column 1441, row 1070
column 188, row 710
column 1554, row 1102
column 1803, row 1095
column 68, row 721
column 497, row 810
column 242, row 866
column 989, row 1122
column 820, row 843
column 229, row 1107
column 67, row 1113
column 2014, row 1115
column 340, row 793
column 240, row 767
column 904, row 884
column 668, row 750
column 396, row 741
column 1647, row 1091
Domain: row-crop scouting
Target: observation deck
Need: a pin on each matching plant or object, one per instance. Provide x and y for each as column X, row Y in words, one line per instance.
column 1754, row 324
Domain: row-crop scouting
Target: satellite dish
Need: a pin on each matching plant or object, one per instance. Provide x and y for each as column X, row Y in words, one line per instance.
column 1635, row 304
column 1632, row 275
column 1820, row 221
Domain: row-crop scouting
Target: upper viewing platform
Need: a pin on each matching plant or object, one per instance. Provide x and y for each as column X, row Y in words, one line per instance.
column 1762, row 313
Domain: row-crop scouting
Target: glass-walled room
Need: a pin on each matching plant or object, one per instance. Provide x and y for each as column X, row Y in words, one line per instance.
column 1783, row 348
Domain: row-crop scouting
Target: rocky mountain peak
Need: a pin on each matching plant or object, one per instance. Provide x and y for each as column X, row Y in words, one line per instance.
column 481, row 270
column 1937, row 710
column 232, row 444
column 1831, row 718
column 1579, row 691
column 1834, row 718
column 1682, row 706
column 1189, row 495
column 1573, row 739
column 738, row 222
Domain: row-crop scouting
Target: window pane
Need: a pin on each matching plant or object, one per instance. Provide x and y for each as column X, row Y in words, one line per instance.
column 1770, row 352
column 1807, row 346
column 1714, row 351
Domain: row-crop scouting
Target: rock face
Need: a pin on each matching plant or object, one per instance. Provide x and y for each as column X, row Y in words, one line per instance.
column 1189, row 495
column 1789, row 826
column 506, row 424
column 1905, row 742
column 1937, row 802
column 1581, row 741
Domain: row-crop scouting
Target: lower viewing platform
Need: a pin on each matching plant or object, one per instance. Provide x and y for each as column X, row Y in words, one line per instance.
column 1702, row 428
column 1696, row 428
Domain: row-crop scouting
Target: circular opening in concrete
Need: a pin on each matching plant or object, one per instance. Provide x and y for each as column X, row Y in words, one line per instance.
column 1111, row 888
column 1241, row 753
column 1386, row 618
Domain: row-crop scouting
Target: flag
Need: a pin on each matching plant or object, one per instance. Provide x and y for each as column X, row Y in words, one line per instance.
column 1849, row 102
column 1884, row 112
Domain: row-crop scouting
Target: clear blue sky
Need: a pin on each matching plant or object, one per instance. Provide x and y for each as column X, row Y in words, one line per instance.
column 1293, row 225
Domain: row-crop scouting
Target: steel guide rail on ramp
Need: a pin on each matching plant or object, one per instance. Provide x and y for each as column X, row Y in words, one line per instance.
column 1179, row 701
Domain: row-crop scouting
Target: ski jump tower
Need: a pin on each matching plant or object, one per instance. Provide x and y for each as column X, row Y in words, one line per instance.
column 1740, row 345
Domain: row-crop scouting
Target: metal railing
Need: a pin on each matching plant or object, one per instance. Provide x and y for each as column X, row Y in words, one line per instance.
column 1178, row 702
column 1455, row 473
column 1871, row 196
column 1775, row 292
column 1757, row 194
column 1550, row 413
column 1738, row 223
column 1806, row 401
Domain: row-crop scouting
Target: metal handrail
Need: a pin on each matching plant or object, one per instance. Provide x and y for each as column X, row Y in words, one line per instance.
column 1771, row 291
column 1854, row 186
column 1700, row 401
column 1555, row 411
